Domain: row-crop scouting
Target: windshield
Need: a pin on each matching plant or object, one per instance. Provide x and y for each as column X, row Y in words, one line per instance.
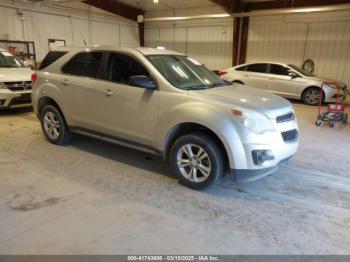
column 8, row 60
column 186, row 73
column 300, row 70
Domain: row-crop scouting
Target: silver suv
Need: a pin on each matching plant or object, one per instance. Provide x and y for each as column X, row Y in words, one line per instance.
column 168, row 104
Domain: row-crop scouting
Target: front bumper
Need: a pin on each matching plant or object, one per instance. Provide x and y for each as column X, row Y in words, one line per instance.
column 332, row 94
column 11, row 99
column 276, row 147
column 250, row 175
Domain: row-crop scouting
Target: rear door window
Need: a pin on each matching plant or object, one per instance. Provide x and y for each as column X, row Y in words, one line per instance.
column 84, row 64
column 279, row 70
column 257, row 68
column 50, row 58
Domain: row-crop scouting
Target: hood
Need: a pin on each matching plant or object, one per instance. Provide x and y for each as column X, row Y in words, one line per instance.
column 249, row 98
column 320, row 78
column 15, row 74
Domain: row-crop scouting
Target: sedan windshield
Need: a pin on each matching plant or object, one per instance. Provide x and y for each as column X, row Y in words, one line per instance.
column 301, row 71
column 186, row 73
column 8, row 60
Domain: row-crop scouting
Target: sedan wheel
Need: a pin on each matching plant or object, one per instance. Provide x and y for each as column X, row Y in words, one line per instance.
column 312, row 96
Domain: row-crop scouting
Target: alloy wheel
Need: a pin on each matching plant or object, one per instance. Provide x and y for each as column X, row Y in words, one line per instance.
column 312, row 97
column 194, row 163
column 52, row 125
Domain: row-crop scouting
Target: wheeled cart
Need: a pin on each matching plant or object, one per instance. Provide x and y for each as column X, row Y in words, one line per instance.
column 335, row 112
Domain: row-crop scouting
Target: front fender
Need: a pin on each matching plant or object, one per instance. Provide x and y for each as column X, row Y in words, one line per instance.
column 213, row 117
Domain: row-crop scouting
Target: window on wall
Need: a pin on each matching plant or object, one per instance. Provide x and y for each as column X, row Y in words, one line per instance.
column 257, row 68
column 279, row 70
column 121, row 67
column 84, row 64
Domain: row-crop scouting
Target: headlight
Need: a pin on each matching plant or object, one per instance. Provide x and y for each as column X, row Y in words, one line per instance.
column 254, row 121
column 334, row 86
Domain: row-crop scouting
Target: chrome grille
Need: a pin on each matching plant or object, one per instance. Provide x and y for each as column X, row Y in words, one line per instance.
column 286, row 117
column 19, row 86
column 290, row 136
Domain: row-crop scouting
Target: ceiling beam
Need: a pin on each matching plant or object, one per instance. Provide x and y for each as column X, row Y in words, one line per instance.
column 251, row 6
column 116, row 7
column 230, row 6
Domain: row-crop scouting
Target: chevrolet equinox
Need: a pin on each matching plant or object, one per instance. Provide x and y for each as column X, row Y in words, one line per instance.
column 168, row 104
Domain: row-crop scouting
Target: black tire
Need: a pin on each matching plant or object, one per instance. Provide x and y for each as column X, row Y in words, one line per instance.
column 237, row 82
column 331, row 124
column 309, row 93
column 345, row 118
column 64, row 135
column 318, row 123
column 215, row 154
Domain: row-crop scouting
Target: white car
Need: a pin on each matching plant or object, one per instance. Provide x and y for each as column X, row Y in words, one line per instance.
column 287, row 81
column 15, row 82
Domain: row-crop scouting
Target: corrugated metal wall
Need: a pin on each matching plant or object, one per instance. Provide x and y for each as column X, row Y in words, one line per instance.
column 209, row 41
column 211, row 45
column 324, row 38
column 39, row 27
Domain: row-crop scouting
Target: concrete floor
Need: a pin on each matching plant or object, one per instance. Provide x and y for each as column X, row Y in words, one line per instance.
column 96, row 198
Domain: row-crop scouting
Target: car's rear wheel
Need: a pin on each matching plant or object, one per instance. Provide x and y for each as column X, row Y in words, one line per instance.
column 312, row 96
column 197, row 160
column 54, row 125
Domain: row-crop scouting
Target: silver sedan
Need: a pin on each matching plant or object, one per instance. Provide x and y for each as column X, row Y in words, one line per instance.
column 288, row 81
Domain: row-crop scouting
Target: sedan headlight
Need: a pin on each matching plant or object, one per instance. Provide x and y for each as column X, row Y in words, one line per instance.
column 254, row 121
column 334, row 86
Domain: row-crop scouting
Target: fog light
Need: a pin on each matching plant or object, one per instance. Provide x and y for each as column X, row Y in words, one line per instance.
column 260, row 156
column 2, row 102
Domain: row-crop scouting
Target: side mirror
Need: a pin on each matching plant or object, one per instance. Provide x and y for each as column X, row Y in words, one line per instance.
column 293, row 74
column 142, row 81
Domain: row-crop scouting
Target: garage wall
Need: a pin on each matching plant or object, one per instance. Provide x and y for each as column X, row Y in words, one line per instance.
column 90, row 25
column 209, row 41
column 325, row 38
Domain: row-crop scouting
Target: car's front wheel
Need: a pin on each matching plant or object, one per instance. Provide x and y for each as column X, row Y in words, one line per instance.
column 312, row 96
column 54, row 125
column 197, row 160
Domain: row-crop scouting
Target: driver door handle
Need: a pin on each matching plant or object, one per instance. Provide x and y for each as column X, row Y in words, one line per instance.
column 109, row 92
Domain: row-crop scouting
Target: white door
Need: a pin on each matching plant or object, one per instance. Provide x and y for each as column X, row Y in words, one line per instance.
column 255, row 75
column 281, row 83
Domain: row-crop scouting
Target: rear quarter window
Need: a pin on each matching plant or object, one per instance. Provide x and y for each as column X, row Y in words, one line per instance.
column 50, row 58
column 242, row 68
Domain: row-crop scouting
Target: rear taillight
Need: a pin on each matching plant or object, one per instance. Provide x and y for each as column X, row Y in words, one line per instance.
column 34, row 78
column 222, row 73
